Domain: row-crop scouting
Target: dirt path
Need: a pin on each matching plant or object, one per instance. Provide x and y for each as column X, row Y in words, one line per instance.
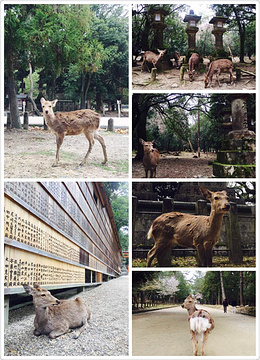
column 166, row 333
column 30, row 154
column 170, row 80
column 183, row 166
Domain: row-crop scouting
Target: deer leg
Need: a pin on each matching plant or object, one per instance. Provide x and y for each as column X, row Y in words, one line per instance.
column 59, row 331
column 204, row 340
column 201, row 254
column 90, row 137
column 150, row 256
column 231, row 77
column 217, row 76
column 101, row 140
column 195, row 343
column 59, row 141
column 208, row 253
column 81, row 329
column 163, row 252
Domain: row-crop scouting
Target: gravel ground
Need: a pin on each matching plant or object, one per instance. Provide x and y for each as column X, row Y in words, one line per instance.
column 106, row 335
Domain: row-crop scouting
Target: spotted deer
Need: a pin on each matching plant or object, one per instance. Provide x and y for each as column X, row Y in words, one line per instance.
column 56, row 317
column 217, row 67
column 151, row 158
column 201, row 323
column 196, row 231
column 151, row 57
column 73, row 123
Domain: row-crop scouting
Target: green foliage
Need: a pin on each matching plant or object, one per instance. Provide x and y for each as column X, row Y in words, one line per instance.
column 117, row 192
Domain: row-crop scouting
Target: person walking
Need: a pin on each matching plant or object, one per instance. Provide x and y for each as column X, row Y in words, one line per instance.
column 225, row 305
column 234, row 304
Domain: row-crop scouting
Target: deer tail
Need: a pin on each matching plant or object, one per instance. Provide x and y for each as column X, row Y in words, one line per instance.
column 150, row 232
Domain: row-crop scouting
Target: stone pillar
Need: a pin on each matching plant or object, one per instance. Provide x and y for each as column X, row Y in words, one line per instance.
column 234, row 237
column 158, row 26
column 237, row 155
column 191, row 29
column 218, row 31
column 201, row 207
column 26, row 120
column 6, row 310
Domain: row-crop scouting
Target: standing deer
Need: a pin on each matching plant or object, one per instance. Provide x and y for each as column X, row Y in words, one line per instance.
column 217, row 67
column 201, row 323
column 73, row 123
column 151, row 57
column 197, row 231
column 193, row 65
column 56, row 317
column 151, row 158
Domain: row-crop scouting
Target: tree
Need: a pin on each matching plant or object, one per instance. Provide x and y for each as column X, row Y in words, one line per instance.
column 240, row 17
column 117, row 192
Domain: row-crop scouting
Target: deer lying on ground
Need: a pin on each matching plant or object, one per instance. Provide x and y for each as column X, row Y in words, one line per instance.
column 151, row 57
column 217, row 67
column 151, row 158
column 201, row 324
column 193, row 65
column 73, row 123
column 197, row 231
column 56, row 317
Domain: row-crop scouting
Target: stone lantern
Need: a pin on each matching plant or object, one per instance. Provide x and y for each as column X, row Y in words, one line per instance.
column 218, row 31
column 237, row 155
column 191, row 29
column 158, row 26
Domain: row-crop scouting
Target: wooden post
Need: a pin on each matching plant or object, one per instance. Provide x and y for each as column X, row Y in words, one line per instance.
column 182, row 71
column 9, row 122
column 238, row 74
column 201, row 207
column 134, row 209
column 26, row 120
column 153, row 74
column 6, row 311
column 233, row 236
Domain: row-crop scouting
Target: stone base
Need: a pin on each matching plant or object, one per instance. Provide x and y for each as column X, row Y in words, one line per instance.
column 233, row 171
column 236, row 157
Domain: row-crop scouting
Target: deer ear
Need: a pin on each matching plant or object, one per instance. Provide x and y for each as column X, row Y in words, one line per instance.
column 205, row 192
column 141, row 140
column 54, row 102
column 28, row 289
column 36, row 285
column 42, row 100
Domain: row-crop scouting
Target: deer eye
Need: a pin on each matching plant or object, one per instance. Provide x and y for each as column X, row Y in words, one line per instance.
column 215, row 198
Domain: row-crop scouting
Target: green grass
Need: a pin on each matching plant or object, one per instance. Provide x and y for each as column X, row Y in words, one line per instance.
column 190, row 261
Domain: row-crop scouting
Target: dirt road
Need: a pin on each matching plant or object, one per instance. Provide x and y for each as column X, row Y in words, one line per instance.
column 183, row 166
column 166, row 333
column 30, row 154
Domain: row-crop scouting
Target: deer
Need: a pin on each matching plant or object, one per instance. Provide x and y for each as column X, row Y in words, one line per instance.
column 151, row 57
column 151, row 158
column 197, row 231
column 193, row 65
column 176, row 58
column 73, row 123
column 217, row 67
column 200, row 321
column 56, row 317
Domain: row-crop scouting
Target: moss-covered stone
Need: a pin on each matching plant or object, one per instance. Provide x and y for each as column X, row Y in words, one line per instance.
column 234, row 157
column 233, row 171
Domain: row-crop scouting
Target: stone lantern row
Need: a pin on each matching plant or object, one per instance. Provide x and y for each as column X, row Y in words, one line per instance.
column 192, row 29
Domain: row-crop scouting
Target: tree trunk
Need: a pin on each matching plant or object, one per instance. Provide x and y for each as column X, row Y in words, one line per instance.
column 31, row 81
column 11, row 89
column 141, row 133
column 222, row 286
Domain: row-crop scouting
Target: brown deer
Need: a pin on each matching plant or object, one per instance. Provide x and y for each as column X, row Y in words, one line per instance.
column 176, row 58
column 197, row 231
column 73, row 123
column 193, row 65
column 56, row 317
column 151, row 57
column 151, row 158
column 217, row 67
column 201, row 323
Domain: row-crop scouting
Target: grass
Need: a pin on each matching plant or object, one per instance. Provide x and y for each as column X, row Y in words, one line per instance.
column 190, row 261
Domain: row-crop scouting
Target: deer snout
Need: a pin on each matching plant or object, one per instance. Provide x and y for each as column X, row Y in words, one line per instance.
column 57, row 302
column 46, row 111
column 182, row 306
column 227, row 207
